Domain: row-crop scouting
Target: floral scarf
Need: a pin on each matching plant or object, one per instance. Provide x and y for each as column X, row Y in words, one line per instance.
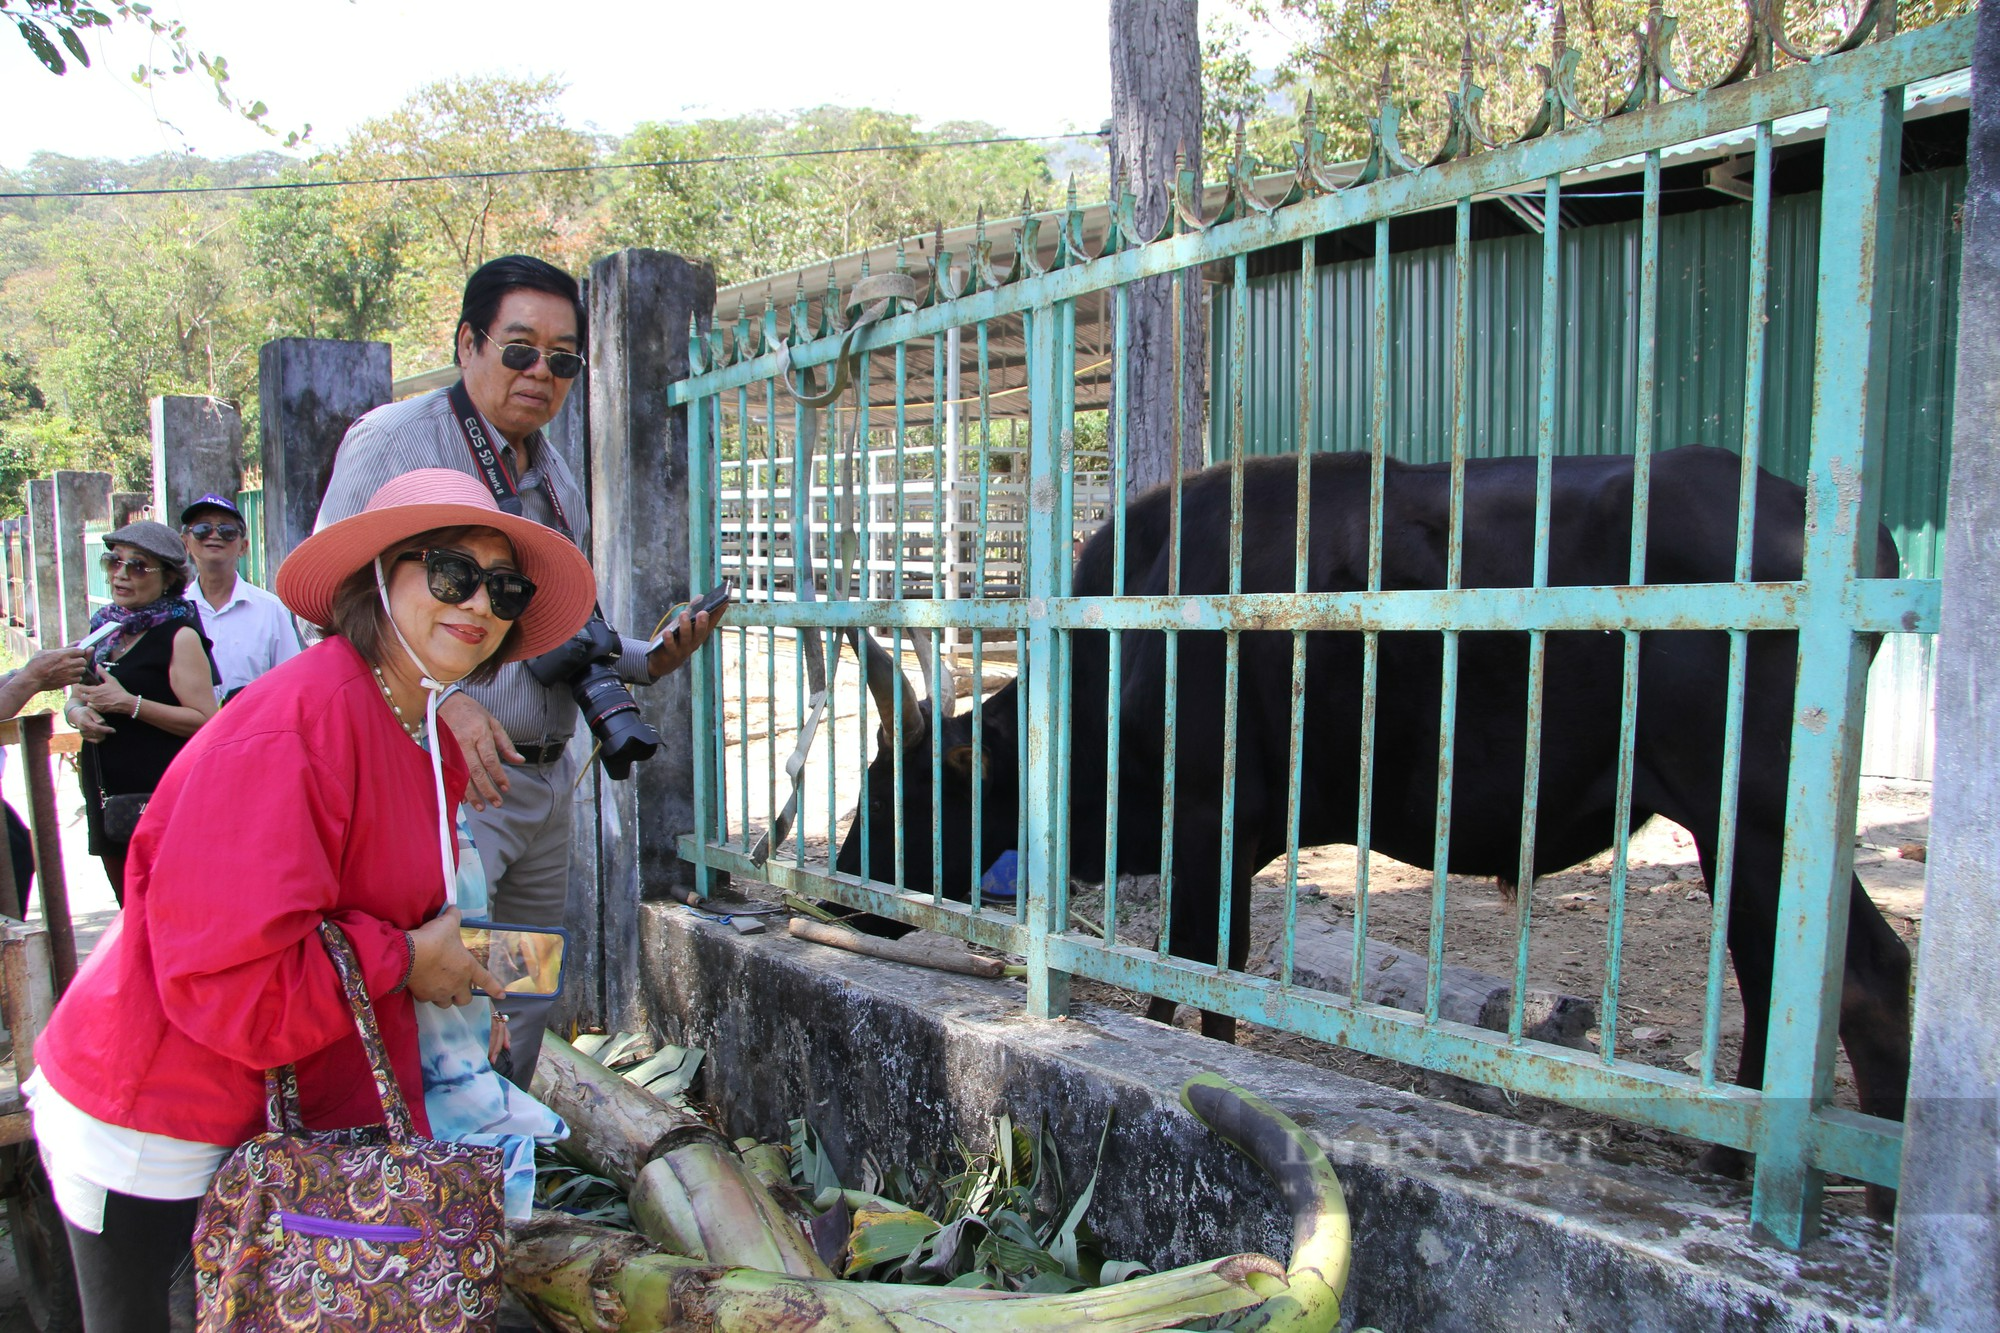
column 136, row 620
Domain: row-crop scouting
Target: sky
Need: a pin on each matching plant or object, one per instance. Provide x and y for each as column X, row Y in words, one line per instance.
column 1034, row 67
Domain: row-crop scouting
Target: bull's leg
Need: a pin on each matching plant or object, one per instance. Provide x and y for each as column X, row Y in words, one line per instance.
column 1222, row 1027
column 1875, row 1020
column 1752, row 943
column 1193, row 932
column 1874, row 1005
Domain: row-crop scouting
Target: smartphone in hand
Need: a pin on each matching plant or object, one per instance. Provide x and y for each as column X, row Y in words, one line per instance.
column 709, row 601
column 527, row 960
column 90, row 641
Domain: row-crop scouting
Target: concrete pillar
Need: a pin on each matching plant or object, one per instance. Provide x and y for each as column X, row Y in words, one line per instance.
column 310, row 390
column 640, row 303
column 45, row 606
column 197, row 449
column 10, row 569
column 130, row 506
column 582, row 1000
column 81, row 498
column 1947, row 1273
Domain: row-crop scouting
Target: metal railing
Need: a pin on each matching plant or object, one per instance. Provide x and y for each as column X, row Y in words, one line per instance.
column 762, row 515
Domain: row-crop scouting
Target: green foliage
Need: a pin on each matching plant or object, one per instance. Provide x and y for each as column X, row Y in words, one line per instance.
column 325, row 268
column 43, row 24
column 996, row 1221
column 766, row 216
column 447, row 228
column 567, row 1188
column 143, row 306
column 106, row 303
column 1349, row 52
column 35, row 444
column 1235, row 92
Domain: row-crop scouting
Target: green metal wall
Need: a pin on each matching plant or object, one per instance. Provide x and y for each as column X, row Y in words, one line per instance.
column 251, row 566
column 1704, row 271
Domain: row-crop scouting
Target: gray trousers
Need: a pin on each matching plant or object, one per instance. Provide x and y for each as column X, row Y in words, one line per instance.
column 524, row 845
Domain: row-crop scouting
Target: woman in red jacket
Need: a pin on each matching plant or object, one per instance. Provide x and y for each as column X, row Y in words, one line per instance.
column 311, row 797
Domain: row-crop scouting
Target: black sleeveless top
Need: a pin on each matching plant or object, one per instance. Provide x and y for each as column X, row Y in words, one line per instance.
column 136, row 756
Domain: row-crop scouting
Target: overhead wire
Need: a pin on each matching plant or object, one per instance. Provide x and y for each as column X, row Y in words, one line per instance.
column 508, row 172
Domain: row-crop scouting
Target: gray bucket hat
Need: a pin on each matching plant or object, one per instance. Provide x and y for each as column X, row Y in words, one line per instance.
column 152, row 538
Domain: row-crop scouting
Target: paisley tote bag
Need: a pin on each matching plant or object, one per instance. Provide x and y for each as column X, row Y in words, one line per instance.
column 370, row 1228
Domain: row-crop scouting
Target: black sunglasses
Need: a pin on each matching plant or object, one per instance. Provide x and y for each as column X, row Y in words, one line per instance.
column 229, row 532
column 455, row 577
column 522, row 356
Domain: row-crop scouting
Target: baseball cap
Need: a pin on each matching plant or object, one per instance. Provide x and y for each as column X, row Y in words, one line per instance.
column 210, row 501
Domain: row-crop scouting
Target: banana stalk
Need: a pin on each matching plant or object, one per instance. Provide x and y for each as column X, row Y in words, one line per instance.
column 1322, row 1234
column 766, row 1162
column 689, row 1191
column 594, row 1280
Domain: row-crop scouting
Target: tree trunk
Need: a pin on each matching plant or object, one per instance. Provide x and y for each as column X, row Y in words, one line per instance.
column 1155, row 113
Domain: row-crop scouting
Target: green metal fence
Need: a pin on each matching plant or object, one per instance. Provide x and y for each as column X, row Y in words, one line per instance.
column 1026, row 786
column 96, row 584
column 251, row 566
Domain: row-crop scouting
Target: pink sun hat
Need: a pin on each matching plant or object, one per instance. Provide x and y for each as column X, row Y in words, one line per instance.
column 438, row 497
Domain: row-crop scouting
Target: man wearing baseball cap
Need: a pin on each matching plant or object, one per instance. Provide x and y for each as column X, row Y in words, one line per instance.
column 250, row 629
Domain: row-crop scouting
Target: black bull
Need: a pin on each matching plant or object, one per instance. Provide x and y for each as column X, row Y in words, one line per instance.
column 1681, row 702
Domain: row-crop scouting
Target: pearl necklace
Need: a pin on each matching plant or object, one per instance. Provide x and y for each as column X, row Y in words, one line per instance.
column 414, row 730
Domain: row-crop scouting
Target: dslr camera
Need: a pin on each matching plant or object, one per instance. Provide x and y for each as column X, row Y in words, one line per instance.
column 585, row 665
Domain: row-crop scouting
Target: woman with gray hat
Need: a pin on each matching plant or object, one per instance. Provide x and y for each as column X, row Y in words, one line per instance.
column 153, row 686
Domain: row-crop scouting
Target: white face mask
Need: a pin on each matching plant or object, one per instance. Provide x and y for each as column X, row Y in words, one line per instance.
column 447, row 844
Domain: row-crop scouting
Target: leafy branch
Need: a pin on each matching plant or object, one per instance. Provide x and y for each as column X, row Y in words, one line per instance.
column 51, row 27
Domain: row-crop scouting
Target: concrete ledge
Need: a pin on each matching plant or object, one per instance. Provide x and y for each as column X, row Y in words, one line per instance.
column 1463, row 1221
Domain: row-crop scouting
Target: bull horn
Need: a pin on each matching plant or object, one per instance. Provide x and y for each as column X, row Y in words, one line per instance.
column 876, row 669
column 939, row 685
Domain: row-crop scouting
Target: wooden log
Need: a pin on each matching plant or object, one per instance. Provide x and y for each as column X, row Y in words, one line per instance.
column 1323, row 957
column 37, row 737
column 689, row 1190
column 944, row 959
column 27, row 989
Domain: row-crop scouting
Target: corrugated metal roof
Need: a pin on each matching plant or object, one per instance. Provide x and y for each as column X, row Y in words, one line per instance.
column 1701, row 349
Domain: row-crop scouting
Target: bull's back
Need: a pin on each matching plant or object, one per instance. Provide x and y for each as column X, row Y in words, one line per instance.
column 1691, row 535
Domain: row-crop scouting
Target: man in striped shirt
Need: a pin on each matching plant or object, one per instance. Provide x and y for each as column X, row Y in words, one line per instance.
column 519, row 348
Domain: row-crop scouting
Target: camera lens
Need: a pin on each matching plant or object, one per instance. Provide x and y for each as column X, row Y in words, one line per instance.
column 623, row 736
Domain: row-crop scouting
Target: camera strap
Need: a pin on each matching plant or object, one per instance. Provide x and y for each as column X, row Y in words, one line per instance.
column 493, row 468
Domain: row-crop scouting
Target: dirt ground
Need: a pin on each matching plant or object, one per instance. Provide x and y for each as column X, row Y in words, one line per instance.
column 1666, row 933
column 1662, row 976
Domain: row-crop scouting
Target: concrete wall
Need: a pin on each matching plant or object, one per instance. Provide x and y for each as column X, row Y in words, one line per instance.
column 1463, row 1221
